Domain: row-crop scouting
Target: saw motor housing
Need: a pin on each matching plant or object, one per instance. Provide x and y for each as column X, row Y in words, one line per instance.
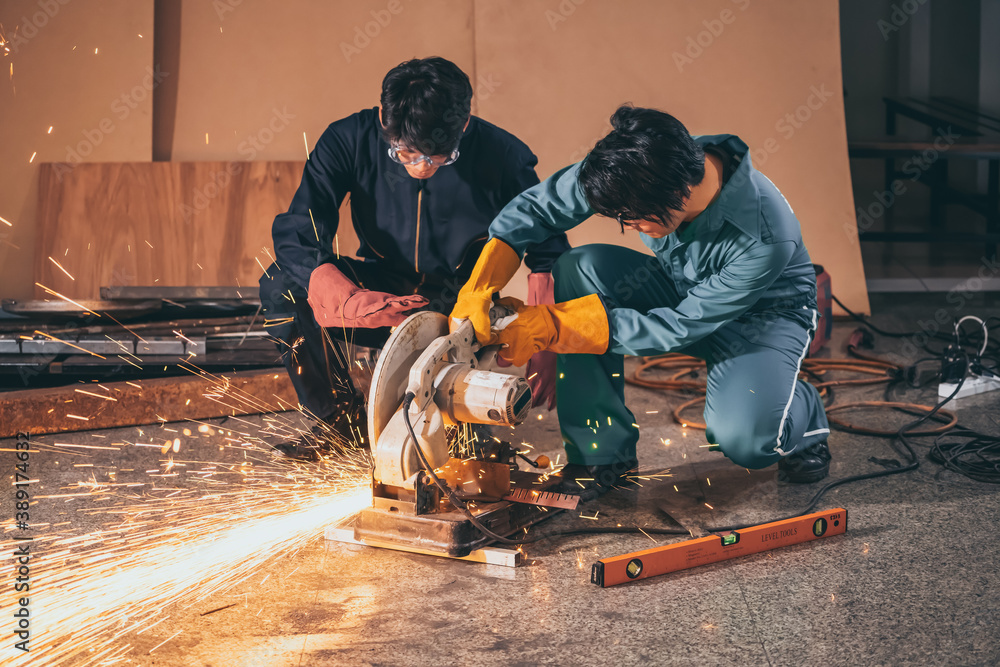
column 452, row 385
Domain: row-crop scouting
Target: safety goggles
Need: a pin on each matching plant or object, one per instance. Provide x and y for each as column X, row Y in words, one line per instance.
column 406, row 157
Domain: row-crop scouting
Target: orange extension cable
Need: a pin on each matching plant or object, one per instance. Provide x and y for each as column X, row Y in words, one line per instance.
column 883, row 371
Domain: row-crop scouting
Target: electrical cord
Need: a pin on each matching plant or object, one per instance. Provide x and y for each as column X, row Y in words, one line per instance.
column 937, row 335
column 884, row 372
column 970, row 453
column 913, row 462
column 977, row 458
column 457, row 502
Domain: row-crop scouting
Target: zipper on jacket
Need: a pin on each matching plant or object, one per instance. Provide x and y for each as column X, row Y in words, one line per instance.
column 416, row 244
column 361, row 235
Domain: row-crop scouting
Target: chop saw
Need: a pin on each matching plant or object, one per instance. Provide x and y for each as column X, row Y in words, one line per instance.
column 439, row 483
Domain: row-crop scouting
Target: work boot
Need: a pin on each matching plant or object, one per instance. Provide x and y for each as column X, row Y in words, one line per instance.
column 309, row 446
column 591, row 482
column 806, row 466
column 346, row 428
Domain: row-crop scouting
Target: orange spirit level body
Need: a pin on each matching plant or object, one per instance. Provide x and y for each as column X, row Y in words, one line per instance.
column 715, row 548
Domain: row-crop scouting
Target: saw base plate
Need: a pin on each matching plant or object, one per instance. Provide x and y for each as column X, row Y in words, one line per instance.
column 451, row 533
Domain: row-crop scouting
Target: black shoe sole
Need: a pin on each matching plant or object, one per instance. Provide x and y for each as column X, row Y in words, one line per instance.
column 810, row 477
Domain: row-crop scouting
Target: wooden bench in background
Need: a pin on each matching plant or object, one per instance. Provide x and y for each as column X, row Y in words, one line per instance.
column 979, row 139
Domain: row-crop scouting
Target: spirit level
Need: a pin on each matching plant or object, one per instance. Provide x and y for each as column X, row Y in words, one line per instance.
column 544, row 498
column 715, row 548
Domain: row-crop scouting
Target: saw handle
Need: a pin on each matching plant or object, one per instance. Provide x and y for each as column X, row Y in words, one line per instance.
column 486, row 354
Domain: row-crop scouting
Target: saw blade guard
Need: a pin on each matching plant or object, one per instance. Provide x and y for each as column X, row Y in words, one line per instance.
column 450, row 386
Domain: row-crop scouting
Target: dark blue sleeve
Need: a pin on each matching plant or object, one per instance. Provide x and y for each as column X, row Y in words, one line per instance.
column 303, row 237
column 519, row 177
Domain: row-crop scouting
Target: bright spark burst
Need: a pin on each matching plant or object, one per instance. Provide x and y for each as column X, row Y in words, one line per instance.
column 67, row 299
column 106, row 584
column 163, row 542
column 61, row 268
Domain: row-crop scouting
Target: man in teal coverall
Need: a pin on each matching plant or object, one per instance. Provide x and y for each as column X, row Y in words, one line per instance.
column 731, row 283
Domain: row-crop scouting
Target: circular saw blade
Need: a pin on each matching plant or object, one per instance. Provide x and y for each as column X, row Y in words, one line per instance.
column 392, row 372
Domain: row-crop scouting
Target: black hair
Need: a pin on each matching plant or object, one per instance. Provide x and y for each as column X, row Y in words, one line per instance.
column 644, row 168
column 425, row 105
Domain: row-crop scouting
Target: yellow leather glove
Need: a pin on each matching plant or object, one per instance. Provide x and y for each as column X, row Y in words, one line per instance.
column 497, row 264
column 579, row 326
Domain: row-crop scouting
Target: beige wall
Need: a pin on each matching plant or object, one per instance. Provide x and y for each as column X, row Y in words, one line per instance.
column 78, row 93
column 550, row 71
column 563, row 68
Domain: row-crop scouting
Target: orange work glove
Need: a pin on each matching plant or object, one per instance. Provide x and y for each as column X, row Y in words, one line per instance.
column 338, row 302
column 496, row 266
column 579, row 326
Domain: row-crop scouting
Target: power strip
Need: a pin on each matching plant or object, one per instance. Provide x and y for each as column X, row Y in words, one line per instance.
column 974, row 384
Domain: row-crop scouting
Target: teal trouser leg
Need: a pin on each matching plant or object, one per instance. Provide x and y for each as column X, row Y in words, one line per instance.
column 755, row 409
column 597, row 428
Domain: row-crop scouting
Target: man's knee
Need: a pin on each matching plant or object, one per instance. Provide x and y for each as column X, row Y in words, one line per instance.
column 574, row 272
column 744, row 445
column 274, row 293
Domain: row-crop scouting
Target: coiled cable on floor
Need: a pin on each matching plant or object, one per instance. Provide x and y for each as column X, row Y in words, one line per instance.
column 680, row 366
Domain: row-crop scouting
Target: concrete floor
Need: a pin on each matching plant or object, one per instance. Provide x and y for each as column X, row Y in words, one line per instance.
column 914, row 581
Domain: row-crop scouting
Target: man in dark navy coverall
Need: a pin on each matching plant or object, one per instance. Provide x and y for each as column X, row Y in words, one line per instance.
column 425, row 180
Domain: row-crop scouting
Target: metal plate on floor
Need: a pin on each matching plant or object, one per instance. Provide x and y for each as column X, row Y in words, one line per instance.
column 81, row 308
column 173, row 346
column 49, row 346
column 180, row 293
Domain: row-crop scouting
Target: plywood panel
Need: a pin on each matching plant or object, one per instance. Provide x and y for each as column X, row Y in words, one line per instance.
column 163, row 223
column 746, row 67
column 81, row 68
